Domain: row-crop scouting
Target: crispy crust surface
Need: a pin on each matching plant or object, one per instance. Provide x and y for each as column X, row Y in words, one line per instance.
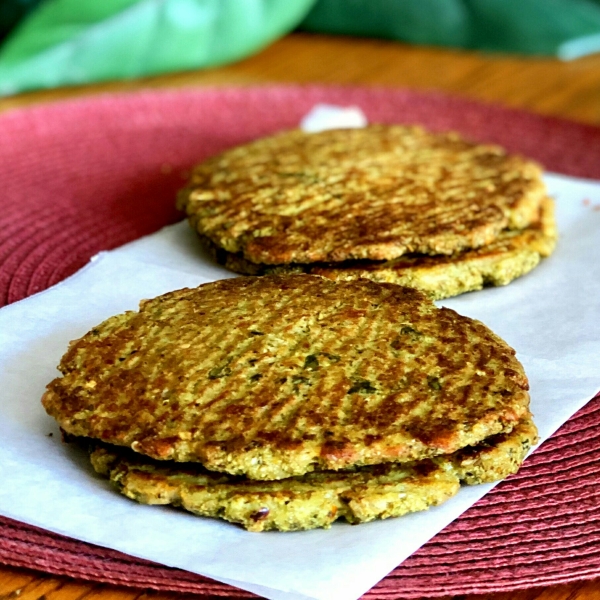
column 513, row 254
column 375, row 193
column 319, row 498
column 277, row 376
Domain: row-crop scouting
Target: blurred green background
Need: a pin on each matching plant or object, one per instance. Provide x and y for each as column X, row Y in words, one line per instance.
column 50, row 43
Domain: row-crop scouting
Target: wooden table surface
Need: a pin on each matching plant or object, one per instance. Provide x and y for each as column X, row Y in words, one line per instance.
column 548, row 86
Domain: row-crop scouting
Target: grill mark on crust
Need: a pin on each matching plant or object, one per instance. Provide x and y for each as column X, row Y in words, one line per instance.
column 224, row 401
column 210, row 420
column 339, row 401
column 416, row 192
column 370, row 369
column 341, row 450
column 288, row 411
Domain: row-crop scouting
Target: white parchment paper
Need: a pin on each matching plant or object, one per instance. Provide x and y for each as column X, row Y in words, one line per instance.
column 550, row 316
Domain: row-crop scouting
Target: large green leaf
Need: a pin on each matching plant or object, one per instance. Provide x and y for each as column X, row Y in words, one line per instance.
column 67, row 42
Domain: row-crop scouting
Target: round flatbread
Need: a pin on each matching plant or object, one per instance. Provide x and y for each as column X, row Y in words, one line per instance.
column 277, row 376
column 375, row 193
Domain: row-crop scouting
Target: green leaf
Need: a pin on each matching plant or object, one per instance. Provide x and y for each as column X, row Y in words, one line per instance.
column 67, row 42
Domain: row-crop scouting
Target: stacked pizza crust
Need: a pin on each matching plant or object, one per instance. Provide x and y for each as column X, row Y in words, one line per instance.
column 289, row 401
column 389, row 203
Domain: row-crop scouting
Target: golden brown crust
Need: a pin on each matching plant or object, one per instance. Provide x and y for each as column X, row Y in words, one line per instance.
column 513, row 254
column 276, row 376
column 375, row 193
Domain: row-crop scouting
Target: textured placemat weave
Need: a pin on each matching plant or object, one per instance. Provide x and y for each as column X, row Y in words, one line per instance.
column 89, row 175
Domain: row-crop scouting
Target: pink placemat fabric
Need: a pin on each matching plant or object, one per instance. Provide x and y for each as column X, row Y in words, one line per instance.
column 89, row 175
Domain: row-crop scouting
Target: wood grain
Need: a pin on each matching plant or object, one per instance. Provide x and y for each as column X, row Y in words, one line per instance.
column 542, row 85
column 23, row 584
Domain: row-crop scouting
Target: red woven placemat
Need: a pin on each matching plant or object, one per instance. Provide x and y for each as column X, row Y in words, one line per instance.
column 84, row 176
